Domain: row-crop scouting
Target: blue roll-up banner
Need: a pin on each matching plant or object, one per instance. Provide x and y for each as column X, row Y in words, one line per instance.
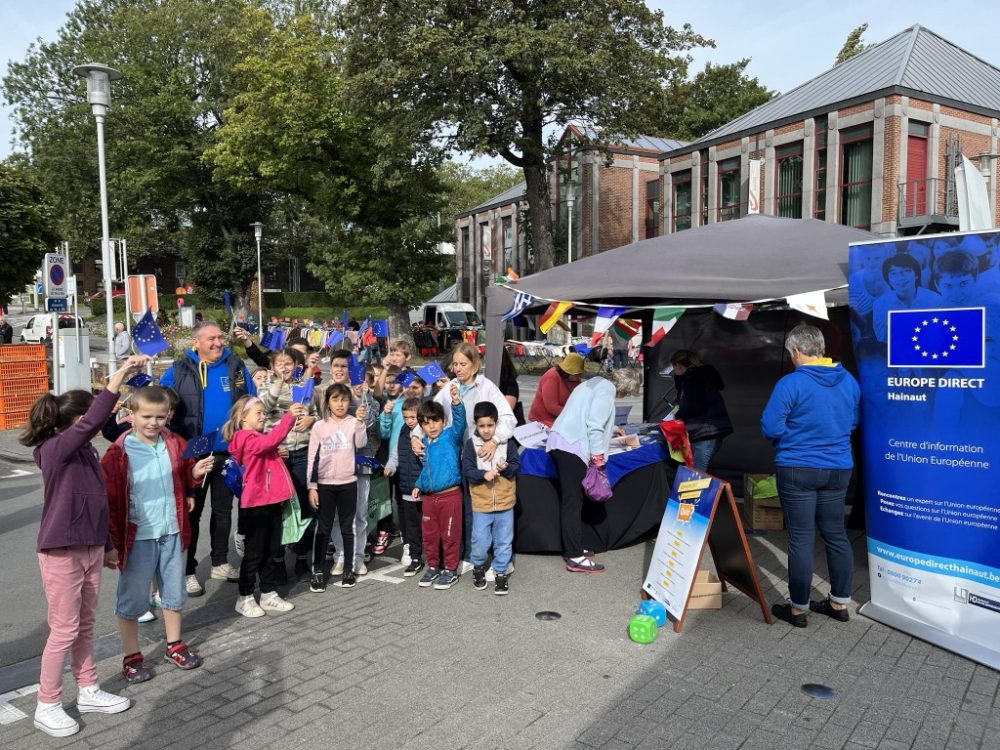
column 925, row 318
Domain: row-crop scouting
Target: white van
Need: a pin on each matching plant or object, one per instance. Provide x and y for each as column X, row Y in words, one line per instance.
column 39, row 328
column 446, row 315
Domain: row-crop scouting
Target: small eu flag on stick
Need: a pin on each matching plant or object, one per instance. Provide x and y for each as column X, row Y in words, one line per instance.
column 200, row 445
column 147, row 337
column 139, row 380
column 301, row 394
column 431, row 372
column 356, row 370
column 406, row 377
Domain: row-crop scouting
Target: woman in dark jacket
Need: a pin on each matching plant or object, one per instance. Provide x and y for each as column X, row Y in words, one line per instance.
column 700, row 405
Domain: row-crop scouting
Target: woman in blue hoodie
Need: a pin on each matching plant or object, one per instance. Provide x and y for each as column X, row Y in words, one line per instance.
column 809, row 419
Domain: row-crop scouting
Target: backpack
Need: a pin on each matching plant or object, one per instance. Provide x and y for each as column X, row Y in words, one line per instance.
column 232, row 476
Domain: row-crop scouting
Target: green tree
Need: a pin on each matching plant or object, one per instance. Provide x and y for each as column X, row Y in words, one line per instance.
column 488, row 77
column 853, row 45
column 467, row 187
column 177, row 62
column 715, row 96
column 363, row 190
column 27, row 231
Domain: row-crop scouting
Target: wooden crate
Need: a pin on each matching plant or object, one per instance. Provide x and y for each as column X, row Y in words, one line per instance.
column 35, row 385
column 763, row 513
column 14, row 419
column 21, row 352
column 706, row 593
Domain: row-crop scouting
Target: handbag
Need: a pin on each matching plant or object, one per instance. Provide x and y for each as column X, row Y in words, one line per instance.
column 596, row 485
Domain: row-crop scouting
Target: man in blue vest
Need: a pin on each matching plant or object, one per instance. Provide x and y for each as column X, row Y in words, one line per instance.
column 208, row 380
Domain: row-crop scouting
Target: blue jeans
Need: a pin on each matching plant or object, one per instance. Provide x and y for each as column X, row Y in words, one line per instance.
column 161, row 560
column 703, row 450
column 814, row 499
column 495, row 528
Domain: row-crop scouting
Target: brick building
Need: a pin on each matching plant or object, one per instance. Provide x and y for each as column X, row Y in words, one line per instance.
column 871, row 143
column 615, row 199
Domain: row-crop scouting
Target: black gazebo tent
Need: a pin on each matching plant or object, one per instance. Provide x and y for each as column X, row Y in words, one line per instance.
column 750, row 259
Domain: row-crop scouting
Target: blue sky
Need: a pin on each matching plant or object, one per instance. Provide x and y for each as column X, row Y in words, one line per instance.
column 788, row 41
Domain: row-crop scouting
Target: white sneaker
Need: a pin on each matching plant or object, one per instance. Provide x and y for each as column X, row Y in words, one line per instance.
column 271, row 602
column 405, row 557
column 94, row 700
column 193, row 587
column 240, row 543
column 465, row 567
column 247, row 607
column 225, row 572
column 338, row 568
column 491, row 575
column 360, row 569
column 52, row 719
column 148, row 616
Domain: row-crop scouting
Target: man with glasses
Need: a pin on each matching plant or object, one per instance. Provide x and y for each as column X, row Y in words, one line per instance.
column 208, row 381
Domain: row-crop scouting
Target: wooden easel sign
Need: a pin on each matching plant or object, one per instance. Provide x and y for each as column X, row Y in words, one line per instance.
column 701, row 509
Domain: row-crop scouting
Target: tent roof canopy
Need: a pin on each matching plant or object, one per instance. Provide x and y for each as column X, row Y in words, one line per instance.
column 756, row 257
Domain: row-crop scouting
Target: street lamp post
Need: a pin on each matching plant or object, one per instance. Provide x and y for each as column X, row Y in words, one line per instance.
column 258, row 233
column 99, row 79
column 570, row 200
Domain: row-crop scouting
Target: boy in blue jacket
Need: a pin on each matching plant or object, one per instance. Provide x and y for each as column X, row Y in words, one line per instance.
column 439, row 488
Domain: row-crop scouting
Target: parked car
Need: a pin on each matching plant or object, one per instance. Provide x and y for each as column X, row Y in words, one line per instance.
column 39, row 328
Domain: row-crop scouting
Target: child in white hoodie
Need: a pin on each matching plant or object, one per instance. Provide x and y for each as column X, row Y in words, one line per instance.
column 333, row 487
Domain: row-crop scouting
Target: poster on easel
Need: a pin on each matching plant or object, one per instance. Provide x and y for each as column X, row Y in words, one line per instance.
column 700, row 511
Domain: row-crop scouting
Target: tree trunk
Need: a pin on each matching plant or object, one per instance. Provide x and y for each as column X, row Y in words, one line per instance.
column 399, row 323
column 539, row 204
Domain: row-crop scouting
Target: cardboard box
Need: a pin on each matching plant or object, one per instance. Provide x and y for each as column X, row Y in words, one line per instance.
column 706, row 592
column 760, row 513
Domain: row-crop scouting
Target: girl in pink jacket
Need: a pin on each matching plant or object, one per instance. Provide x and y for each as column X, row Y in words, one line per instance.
column 266, row 486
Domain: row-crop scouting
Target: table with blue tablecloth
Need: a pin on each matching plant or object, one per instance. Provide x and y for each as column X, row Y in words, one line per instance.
column 641, row 479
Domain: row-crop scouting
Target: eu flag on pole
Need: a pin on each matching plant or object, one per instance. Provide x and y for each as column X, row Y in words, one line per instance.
column 200, row 445
column 345, row 319
column 147, row 337
column 406, row 377
column 356, row 371
column 381, row 328
column 139, row 380
column 302, row 394
column 228, row 302
column 333, row 338
column 953, row 338
column 431, row 372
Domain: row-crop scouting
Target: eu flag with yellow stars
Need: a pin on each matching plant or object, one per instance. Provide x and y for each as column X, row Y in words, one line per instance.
column 147, row 337
column 952, row 338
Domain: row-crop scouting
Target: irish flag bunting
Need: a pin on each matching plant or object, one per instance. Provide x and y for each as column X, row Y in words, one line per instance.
column 811, row 303
column 606, row 316
column 552, row 315
column 664, row 319
column 734, row 310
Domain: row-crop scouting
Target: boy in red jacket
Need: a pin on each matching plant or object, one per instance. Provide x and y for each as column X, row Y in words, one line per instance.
column 150, row 492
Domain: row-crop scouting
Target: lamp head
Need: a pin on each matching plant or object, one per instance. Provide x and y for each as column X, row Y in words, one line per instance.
column 258, row 230
column 99, row 79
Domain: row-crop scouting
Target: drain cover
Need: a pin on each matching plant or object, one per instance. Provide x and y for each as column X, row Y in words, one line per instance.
column 547, row 615
column 816, row 690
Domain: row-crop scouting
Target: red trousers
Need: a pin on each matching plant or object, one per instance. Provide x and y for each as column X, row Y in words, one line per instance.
column 441, row 526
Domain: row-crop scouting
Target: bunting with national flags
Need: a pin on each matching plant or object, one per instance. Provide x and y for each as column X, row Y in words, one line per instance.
column 811, row 303
column 522, row 301
column 625, row 328
column 606, row 316
column 734, row 310
column 664, row 318
column 552, row 315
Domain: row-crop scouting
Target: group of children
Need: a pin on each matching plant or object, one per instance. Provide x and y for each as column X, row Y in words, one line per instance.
column 303, row 466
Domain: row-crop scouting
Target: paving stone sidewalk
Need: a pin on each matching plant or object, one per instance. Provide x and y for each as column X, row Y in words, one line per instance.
column 391, row 665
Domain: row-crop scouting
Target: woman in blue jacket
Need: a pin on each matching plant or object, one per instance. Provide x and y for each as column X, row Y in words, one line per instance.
column 809, row 419
column 580, row 436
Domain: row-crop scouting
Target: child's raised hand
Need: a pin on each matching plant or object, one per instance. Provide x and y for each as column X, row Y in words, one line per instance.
column 314, row 499
column 361, row 412
column 297, row 410
column 387, row 409
column 456, row 397
column 203, row 466
column 313, row 359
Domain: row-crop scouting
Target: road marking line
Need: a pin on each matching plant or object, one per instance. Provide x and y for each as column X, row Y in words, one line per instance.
column 17, row 473
column 9, row 714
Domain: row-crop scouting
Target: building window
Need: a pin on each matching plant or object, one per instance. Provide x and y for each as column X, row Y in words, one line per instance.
column 729, row 189
column 652, row 208
column 682, row 200
column 856, row 177
column 507, row 224
column 704, row 187
column 467, row 271
column 819, row 166
column 486, row 247
column 788, row 197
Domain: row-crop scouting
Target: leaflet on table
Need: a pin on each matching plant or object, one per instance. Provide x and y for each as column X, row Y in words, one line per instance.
column 682, row 536
column 531, row 435
column 623, row 443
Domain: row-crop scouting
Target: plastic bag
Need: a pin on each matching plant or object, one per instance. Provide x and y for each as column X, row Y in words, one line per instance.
column 596, row 485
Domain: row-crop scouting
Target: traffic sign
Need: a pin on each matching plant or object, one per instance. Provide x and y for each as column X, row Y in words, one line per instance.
column 55, row 274
column 142, row 293
column 56, row 304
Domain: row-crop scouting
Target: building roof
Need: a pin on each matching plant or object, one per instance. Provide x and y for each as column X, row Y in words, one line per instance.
column 651, row 143
column 916, row 61
column 512, row 195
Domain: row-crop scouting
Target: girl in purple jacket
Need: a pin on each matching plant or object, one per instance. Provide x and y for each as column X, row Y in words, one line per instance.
column 73, row 543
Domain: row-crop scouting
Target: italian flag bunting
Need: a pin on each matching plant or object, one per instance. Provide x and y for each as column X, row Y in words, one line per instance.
column 664, row 319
